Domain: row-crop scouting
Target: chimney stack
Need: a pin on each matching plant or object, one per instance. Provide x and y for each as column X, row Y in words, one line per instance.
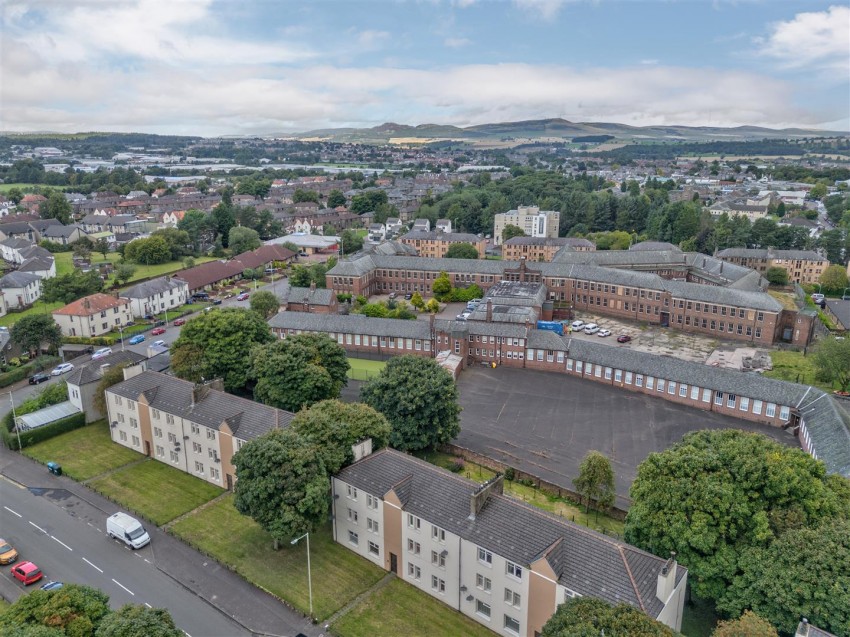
column 489, row 310
column 667, row 579
column 479, row 497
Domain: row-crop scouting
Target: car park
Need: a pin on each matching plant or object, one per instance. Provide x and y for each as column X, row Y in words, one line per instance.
column 63, row 368
column 591, row 328
column 603, row 333
column 157, row 331
column 103, row 351
column 41, row 377
column 179, row 322
column 138, row 338
column 27, row 573
column 158, row 344
column 7, row 553
column 52, row 586
column 577, row 324
column 624, row 338
column 243, row 297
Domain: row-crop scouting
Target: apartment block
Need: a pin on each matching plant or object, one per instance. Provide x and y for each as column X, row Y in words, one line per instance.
column 530, row 219
column 501, row 563
column 157, row 295
column 436, row 243
column 93, row 315
column 803, row 266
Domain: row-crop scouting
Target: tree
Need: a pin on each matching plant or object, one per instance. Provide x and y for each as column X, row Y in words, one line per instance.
column 265, row 303
column 419, row 398
column 222, row 219
column 34, row 331
column 834, row 278
column 510, row 231
column 368, row 201
column 72, row 286
column 241, row 240
column 336, row 199
column 150, row 251
column 138, row 621
column 15, row 195
column 71, row 610
column 433, row 306
column 82, row 249
column 298, row 371
column 442, row 286
column 776, row 276
column 102, row 246
column 595, row 481
column 124, row 272
column 112, row 376
column 178, row 241
column 417, row 301
column 818, row 191
column 831, row 359
column 56, row 207
column 300, row 195
column 589, row 617
column 200, row 227
column 351, row 241
column 334, row 427
column 462, row 251
column 188, row 262
column 282, row 484
column 716, row 493
column 804, row 573
column 217, row 345
column 747, row 625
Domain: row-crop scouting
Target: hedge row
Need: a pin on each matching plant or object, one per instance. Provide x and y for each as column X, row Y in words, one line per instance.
column 34, row 436
column 85, row 340
column 25, row 371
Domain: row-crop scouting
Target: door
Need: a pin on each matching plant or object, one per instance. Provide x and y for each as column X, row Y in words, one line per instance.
column 147, row 449
column 229, row 481
column 393, row 563
column 665, row 319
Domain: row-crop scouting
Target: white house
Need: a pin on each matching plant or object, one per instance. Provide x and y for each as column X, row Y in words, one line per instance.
column 20, row 289
column 377, row 232
column 444, row 225
column 157, row 295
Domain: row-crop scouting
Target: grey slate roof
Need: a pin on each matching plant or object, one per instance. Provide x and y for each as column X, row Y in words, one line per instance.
column 317, row 296
column 350, row 324
column 17, row 242
column 36, row 264
column 586, row 562
column 60, row 231
column 154, row 286
column 18, row 280
column 770, row 253
column 433, row 235
column 545, row 241
column 246, row 418
column 653, row 246
column 92, row 371
column 841, row 309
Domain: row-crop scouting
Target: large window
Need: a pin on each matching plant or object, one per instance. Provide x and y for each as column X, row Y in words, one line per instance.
column 482, row 608
column 483, row 583
column 511, row 625
column 514, row 570
column 485, row 556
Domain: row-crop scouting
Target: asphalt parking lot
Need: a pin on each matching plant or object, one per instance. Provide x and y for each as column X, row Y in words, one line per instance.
column 544, row 423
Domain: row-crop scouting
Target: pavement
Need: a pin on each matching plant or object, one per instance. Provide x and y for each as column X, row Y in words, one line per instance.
column 199, row 592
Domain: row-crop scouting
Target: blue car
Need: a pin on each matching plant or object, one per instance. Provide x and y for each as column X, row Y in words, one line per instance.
column 138, row 338
column 52, row 586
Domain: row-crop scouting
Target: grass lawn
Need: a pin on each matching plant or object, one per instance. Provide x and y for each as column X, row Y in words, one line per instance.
column 83, row 453
column 363, row 369
column 338, row 574
column 401, row 609
column 25, row 188
column 553, row 504
column 155, row 490
column 39, row 307
column 795, row 367
column 698, row 619
column 65, row 264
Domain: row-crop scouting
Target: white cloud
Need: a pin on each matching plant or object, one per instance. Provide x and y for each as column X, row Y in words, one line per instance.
column 546, row 9
column 649, row 62
column 463, row 4
column 456, row 43
column 371, row 39
column 819, row 39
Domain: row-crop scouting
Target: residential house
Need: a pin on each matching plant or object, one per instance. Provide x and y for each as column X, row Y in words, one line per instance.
column 85, row 378
column 157, row 295
column 20, row 290
column 313, row 300
column 393, row 226
column 377, row 232
column 444, row 225
column 12, row 247
column 421, row 225
column 41, row 266
column 172, row 218
column 436, row 244
column 530, row 219
column 19, row 230
column 93, row 315
column 206, row 275
column 63, row 235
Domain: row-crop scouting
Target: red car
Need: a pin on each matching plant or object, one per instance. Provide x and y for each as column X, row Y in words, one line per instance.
column 179, row 322
column 27, row 573
column 624, row 338
column 157, row 331
column 243, row 297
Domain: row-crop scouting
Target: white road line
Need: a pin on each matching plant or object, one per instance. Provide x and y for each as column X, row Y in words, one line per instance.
column 148, row 605
column 14, row 512
column 92, row 565
column 38, row 527
column 147, row 560
column 124, row 587
column 62, row 543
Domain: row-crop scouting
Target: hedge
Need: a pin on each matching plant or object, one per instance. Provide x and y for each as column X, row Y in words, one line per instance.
column 34, row 436
column 25, row 371
column 84, row 340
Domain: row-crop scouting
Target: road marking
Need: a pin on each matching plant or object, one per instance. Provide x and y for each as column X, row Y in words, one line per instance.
column 147, row 560
column 15, row 512
column 62, row 543
column 38, row 527
column 92, row 565
column 124, row 587
column 148, row 605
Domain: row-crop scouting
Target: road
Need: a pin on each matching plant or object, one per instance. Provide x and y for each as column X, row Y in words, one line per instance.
column 75, row 548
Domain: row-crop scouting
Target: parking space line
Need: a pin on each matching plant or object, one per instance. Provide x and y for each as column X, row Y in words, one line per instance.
column 93, row 566
column 38, row 527
column 13, row 512
column 124, row 587
column 61, row 542
column 148, row 605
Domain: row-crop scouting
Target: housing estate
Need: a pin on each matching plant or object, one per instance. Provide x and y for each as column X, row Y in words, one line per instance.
column 803, row 266
column 157, row 295
column 93, row 315
column 496, row 560
column 20, row 289
column 436, row 243
column 530, row 219
column 84, row 380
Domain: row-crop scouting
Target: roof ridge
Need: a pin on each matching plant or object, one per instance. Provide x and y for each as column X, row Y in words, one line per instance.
column 632, row 579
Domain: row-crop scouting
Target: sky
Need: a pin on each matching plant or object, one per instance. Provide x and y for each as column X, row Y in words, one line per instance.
column 252, row 67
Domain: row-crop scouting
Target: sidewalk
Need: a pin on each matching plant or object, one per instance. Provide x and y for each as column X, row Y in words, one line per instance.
column 226, row 591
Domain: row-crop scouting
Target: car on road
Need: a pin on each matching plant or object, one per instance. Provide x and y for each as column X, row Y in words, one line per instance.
column 52, row 586
column 624, row 338
column 157, row 331
column 7, row 553
column 603, row 333
column 27, row 573
column 64, row 368
column 179, row 322
column 103, row 351
column 216, row 302
column 243, row 297
column 577, row 324
column 41, row 377
column 138, row 338
column 591, row 328
column 158, row 344
column 817, row 298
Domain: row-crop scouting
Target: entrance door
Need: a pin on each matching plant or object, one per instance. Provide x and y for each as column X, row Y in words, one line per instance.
column 393, row 563
column 147, row 449
column 665, row 319
column 229, row 482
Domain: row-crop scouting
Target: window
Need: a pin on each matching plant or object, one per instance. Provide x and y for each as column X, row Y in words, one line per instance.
column 214, row 473
column 353, row 538
column 438, row 584
column 157, row 432
column 661, row 385
column 374, row 549
column 483, row 582
column 414, row 547
column 618, row 375
column 706, row 395
column 514, row 570
column 195, row 429
column 372, row 525
column 718, row 398
column 155, row 413
column 730, row 401
column 671, row 388
column 485, row 557
column 650, row 382
column 511, row 625
column 784, row 412
column 607, row 373
column 757, row 407
column 134, row 423
column 745, row 403
column 196, row 447
column 210, row 434
column 639, row 380
column 371, row 501
column 629, row 377
column 694, row 393
column 160, row 451
column 482, row 609
column 438, row 559
column 438, row 534
column 683, row 391
column 352, row 515
column 352, row 492
column 770, row 411
column 136, row 441
column 414, row 571
column 512, row 598
column 174, row 457
column 413, row 522
column 131, row 404
column 199, row 467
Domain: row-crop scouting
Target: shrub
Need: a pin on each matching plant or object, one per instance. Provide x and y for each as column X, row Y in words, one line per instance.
column 457, row 465
column 24, row 371
column 34, row 436
column 510, row 474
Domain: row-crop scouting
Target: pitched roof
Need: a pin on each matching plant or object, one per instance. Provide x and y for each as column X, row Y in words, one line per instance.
column 208, row 273
column 435, row 235
column 93, row 370
column 263, row 255
column 154, row 286
column 352, row 324
column 313, row 296
column 91, row 304
column 770, row 253
column 36, row 264
column 18, row 280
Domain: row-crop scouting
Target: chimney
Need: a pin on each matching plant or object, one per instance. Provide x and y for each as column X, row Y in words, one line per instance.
column 312, row 285
column 802, row 628
column 667, row 579
column 489, row 310
column 479, row 497
column 103, row 369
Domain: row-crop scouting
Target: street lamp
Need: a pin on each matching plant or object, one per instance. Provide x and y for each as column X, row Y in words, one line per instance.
column 309, row 576
column 15, row 420
column 121, row 335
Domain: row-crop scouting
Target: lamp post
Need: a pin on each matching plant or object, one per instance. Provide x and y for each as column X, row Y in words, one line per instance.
column 15, row 420
column 309, row 575
column 121, row 334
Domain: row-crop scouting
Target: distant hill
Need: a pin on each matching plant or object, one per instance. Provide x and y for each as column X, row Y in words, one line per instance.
column 553, row 129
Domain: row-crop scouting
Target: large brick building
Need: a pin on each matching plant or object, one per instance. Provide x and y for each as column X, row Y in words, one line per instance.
column 803, row 266
column 436, row 243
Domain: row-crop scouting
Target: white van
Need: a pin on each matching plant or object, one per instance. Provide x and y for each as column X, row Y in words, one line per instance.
column 127, row 529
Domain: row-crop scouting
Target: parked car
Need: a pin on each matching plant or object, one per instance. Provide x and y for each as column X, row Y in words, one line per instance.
column 179, row 322
column 408, row 296
column 7, row 553
column 27, row 573
column 138, row 338
column 243, row 297
column 591, row 328
column 462, row 317
column 127, row 529
column 817, row 297
column 157, row 331
column 216, row 302
column 52, row 586
column 393, row 295
column 624, row 338
column 158, row 344
column 35, row 379
column 103, row 351
column 577, row 324
column 603, row 333
column 64, row 368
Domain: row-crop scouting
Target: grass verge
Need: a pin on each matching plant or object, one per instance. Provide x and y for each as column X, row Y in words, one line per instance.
column 83, row 453
column 39, row 307
column 401, row 609
column 795, row 367
column 155, row 490
column 237, row 541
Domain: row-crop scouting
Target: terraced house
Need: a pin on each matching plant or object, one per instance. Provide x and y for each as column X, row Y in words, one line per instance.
column 505, row 565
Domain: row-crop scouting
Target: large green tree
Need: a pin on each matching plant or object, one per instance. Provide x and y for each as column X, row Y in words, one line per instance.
column 420, row 400
column 200, row 227
column 335, row 199
column 138, row 621
column 178, row 241
column 241, row 240
column 595, row 481
column 834, row 278
column 298, row 371
column 71, row 286
column 35, row 331
column 56, row 207
column 776, row 276
column 591, row 617
column 282, row 484
column 73, row 610
column 442, row 286
column 718, row 493
column 831, row 359
column 462, row 251
column 351, row 241
column 150, row 251
column 335, row 426
column 217, row 344
column 265, row 303
column 747, row 625
column 510, row 231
